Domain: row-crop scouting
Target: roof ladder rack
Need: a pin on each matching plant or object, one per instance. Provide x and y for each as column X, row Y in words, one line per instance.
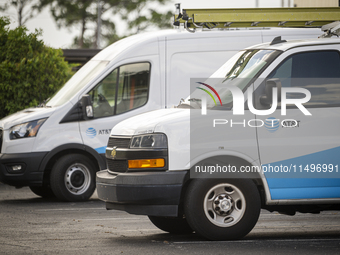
column 327, row 18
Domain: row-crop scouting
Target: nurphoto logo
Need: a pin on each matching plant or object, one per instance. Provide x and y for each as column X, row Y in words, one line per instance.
column 238, row 99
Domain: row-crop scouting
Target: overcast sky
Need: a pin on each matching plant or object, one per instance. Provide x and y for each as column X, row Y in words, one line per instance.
column 62, row 38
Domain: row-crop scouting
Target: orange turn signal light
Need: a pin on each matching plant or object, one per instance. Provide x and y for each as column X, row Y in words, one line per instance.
column 146, row 163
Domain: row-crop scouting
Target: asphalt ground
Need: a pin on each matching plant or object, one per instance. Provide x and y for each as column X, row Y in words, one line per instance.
column 32, row 225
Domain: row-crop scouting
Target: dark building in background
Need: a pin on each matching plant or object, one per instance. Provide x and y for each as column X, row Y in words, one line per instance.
column 79, row 56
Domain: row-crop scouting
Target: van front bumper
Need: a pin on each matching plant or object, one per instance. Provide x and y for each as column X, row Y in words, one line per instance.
column 27, row 169
column 142, row 193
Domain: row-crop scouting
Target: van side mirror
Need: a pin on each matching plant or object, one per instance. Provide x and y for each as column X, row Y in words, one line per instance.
column 87, row 107
column 267, row 98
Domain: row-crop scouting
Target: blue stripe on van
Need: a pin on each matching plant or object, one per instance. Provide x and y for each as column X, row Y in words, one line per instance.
column 305, row 193
column 101, row 150
column 303, row 184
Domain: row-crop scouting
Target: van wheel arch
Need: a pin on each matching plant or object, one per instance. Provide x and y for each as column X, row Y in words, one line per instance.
column 60, row 154
column 62, row 150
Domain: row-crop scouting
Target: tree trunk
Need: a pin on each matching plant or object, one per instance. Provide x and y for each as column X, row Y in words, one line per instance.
column 83, row 29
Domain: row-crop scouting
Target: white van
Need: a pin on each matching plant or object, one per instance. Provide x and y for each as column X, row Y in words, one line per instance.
column 273, row 142
column 57, row 148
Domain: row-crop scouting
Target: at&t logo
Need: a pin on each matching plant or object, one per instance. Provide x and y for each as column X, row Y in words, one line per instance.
column 91, row 132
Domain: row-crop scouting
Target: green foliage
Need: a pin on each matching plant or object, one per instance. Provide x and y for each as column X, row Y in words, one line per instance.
column 83, row 14
column 25, row 9
column 30, row 72
column 140, row 16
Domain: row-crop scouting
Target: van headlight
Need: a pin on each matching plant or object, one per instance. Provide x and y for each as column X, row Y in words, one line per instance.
column 28, row 129
column 155, row 141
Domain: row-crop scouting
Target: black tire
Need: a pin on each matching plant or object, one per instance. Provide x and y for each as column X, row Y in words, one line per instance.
column 42, row 191
column 73, row 178
column 225, row 209
column 171, row 225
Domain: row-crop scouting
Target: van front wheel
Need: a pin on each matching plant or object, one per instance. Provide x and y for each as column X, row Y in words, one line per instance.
column 222, row 209
column 73, row 178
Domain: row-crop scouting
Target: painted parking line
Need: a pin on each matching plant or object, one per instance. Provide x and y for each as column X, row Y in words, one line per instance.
column 257, row 241
column 70, row 209
column 292, row 226
column 116, row 218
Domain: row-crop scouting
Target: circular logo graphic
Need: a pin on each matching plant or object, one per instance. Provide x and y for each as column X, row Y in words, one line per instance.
column 272, row 124
column 91, row 132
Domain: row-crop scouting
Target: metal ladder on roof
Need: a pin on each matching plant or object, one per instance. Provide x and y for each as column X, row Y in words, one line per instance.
column 327, row 18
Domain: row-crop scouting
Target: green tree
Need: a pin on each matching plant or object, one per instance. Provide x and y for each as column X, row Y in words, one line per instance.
column 95, row 16
column 30, row 72
column 25, row 9
column 140, row 15
column 83, row 14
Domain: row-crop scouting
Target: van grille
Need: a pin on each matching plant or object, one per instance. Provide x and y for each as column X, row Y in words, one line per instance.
column 114, row 165
column 0, row 139
column 117, row 166
column 118, row 142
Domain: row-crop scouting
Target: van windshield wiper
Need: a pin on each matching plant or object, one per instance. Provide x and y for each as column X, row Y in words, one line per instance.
column 184, row 104
column 43, row 104
column 194, row 100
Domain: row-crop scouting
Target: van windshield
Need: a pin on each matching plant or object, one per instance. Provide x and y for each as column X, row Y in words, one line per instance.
column 90, row 70
column 240, row 71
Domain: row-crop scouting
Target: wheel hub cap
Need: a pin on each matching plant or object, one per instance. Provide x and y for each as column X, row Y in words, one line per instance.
column 224, row 205
column 77, row 178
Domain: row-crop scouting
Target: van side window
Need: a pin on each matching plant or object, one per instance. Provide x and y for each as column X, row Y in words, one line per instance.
column 124, row 89
column 103, row 96
column 317, row 71
column 133, row 86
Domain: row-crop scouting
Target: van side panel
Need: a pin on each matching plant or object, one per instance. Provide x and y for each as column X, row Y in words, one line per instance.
column 302, row 161
column 185, row 61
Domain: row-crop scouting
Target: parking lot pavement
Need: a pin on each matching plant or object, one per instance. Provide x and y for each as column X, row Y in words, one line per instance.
column 32, row 225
